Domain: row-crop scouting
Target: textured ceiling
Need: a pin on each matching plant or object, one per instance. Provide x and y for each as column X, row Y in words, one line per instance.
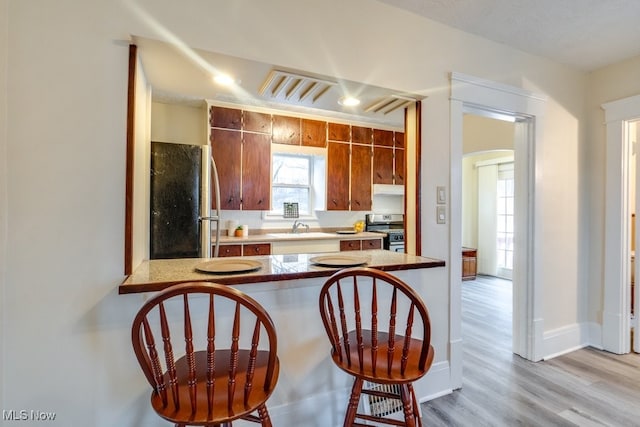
column 586, row 34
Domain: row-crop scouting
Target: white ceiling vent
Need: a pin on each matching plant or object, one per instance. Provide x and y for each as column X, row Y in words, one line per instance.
column 287, row 86
column 390, row 103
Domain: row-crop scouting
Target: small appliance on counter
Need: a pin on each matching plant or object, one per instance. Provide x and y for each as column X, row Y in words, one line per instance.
column 391, row 225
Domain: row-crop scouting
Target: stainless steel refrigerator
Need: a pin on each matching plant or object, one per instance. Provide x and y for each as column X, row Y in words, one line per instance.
column 180, row 201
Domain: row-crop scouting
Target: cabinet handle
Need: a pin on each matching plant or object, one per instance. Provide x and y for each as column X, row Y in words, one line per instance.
column 335, row 202
column 259, row 201
column 378, row 173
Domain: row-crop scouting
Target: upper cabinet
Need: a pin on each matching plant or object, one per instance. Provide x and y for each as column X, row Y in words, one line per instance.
column 243, row 158
column 286, row 130
column 225, row 118
column 314, row 133
column 226, row 149
column 357, row 157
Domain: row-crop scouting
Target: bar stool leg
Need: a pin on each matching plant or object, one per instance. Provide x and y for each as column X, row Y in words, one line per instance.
column 407, row 406
column 353, row 402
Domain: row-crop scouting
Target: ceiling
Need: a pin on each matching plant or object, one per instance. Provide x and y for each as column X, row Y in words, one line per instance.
column 182, row 75
column 585, row 34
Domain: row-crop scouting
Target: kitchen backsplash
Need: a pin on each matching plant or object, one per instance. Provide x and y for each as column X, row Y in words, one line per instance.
column 257, row 220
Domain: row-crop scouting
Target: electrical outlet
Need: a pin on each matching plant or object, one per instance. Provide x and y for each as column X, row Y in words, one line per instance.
column 441, row 214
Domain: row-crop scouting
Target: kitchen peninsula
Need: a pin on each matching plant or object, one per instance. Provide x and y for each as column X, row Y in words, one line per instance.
column 155, row 275
column 311, row 391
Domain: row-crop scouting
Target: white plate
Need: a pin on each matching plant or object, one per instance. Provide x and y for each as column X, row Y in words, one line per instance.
column 338, row 260
column 346, row 231
column 228, row 266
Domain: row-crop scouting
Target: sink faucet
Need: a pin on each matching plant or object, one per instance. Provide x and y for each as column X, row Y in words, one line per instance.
column 297, row 224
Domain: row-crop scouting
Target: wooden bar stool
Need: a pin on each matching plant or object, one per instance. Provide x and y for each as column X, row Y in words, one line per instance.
column 380, row 333
column 230, row 377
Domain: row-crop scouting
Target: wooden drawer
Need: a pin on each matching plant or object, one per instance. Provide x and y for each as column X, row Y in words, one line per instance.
column 371, row 244
column 230, row 250
column 350, row 245
column 256, row 249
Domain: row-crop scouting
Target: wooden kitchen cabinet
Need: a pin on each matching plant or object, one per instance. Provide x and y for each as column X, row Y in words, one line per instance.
column 256, row 172
column 469, row 263
column 337, row 176
column 250, row 249
column 314, row 133
column 256, row 122
column 398, row 139
column 350, row 245
column 361, row 135
column 399, row 171
column 229, row 250
column 338, row 132
column 226, row 148
column 286, row 130
column 360, row 245
column 383, row 137
column 361, row 198
column 382, row 165
column 371, row 244
column 226, row 118
column 247, row 249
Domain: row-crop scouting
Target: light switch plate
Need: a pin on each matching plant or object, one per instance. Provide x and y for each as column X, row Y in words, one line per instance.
column 441, row 195
column 441, row 214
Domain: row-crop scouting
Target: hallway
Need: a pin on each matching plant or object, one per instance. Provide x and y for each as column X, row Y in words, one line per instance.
column 583, row 388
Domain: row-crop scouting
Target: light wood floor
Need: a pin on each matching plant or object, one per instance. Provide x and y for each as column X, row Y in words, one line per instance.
column 587, row 387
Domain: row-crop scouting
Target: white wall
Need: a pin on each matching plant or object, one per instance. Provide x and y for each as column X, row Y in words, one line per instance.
column 4, row 33
column 68, row 347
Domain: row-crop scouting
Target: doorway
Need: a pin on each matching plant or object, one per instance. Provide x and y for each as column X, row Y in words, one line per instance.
column 621, row 119
column 471, row 95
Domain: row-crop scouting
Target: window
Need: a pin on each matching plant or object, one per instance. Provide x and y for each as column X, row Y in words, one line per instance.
column 292, row 182
column 504, row 213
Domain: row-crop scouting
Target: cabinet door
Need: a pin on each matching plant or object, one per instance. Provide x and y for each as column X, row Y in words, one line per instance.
column 398, row 139
column 230, row 250
column 399, row 168
column 226, row 148
column 256, row 249
column 256, row 172
column 360, row 178
column 371, row 244
column 256, row 122
column 338, row 176
column 314, row 133
column 383, row 138
column 286, row 130
column 227, row 118
column 339, row 132
column 382, row 165
column 350, row 245
column 361, row 135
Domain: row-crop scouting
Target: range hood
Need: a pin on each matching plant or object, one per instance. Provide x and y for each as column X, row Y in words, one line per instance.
column 388, row 190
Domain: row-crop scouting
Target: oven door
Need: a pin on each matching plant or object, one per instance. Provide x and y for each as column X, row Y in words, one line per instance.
column 397, row 247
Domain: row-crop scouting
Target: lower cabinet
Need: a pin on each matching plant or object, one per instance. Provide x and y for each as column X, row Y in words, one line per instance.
column 245, row 250
column 360, row 245
column 469, row 263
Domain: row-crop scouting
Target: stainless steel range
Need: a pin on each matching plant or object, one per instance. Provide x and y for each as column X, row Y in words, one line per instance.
column 391, row 225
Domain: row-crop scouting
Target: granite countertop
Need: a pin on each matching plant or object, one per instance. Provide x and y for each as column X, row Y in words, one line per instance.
column 154, row 275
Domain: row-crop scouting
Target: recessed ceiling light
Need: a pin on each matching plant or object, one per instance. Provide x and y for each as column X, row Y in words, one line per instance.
column 223, row 79
column 348, row 101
